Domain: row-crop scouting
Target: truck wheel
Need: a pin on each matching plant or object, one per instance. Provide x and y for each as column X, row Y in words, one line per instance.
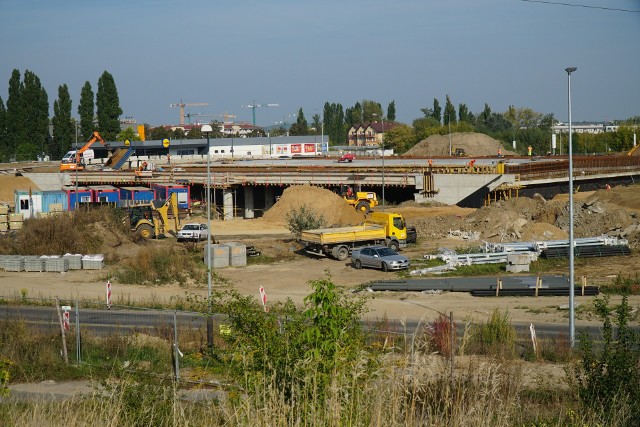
column 358, row 264
column 394, row 245
column 363, row 207
column 145, row 231
column 342, row 253
column 385, row 267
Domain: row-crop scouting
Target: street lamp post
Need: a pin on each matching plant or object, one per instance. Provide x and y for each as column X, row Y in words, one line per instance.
column 206, row 129
column 382, row 157
column 572, row 331
column 76, row 157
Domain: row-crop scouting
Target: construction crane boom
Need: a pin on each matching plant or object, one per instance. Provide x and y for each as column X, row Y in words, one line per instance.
column 182, row 105
column 225, row 115
column 254, row 106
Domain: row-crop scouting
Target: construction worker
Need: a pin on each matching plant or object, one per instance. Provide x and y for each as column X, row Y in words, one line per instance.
column 608, row 187
column 349, row 192
column 430, row 163
column 168, row 158
column 499, row 152
column 529, row 150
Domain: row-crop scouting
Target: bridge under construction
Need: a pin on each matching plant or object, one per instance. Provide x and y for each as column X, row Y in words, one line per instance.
column 253, row 186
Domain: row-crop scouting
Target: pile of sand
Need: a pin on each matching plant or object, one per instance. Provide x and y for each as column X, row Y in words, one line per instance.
column 331, row 206
column 474, row 144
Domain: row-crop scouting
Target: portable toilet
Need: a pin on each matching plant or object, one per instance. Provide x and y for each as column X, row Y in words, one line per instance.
column 105, row 194
column 164, row 190
column 135, row 195
column 77, row 196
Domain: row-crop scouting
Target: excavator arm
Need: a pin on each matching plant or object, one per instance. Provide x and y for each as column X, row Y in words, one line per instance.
column 95, row 137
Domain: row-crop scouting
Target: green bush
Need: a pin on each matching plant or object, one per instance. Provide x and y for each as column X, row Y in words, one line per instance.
column 609, row 377
column 161, row 265
column 303, row 218
column 496, row 337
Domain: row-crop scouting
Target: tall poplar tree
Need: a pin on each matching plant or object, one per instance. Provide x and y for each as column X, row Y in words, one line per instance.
column 63, row 127
column 334, row 123
column 86, row 111
column 437, row 110
column 15, row 114
column 449, row 112
column 3, row 131
column 108, row 107
column 34, row 135
column 391, row 111
column 300, row 127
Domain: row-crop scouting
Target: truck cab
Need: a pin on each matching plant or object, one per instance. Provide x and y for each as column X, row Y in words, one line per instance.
column 395, row 227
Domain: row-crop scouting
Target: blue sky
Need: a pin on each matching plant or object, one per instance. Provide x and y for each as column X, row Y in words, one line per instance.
column 301, row 54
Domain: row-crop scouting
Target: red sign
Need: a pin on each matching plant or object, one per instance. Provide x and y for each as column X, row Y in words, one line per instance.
column 296, row 148
column 309, row 148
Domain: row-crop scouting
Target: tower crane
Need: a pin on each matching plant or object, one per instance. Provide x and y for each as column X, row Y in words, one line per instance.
column 254, row 106
column 225, row 115
column 182, row 105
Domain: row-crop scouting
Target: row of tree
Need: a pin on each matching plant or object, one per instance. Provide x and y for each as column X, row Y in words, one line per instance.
column 26, row 131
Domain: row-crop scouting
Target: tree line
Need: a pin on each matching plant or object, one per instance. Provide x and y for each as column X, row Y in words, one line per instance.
column 26, row 131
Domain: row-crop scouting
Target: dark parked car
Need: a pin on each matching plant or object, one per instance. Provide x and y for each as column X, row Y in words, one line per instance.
column 378, row 257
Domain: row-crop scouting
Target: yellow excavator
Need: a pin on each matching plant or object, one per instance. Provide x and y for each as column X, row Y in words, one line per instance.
column 150, row 220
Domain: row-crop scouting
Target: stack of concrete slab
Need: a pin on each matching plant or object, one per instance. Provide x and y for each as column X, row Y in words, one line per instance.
column 15, row 221
column 74, row 260
column 4, row 218
column 33, row 263
column 55, row 263
column 12, row 262
column 93, row 262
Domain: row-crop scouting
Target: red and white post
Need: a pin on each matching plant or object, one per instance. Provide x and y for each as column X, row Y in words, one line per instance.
column 263, row 298
column 108, row 294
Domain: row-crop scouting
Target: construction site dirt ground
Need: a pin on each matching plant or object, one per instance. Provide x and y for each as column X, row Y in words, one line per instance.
column 289, row 278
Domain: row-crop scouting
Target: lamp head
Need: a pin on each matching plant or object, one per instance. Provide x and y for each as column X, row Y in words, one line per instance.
column 206, row 129
column 570, row 70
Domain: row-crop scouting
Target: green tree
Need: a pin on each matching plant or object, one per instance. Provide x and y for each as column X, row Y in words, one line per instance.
column 371, row 111
column 15, row 115
column 334, row 123
column 300, row 127
column 391, row 111
column 464, row 115
column 196, row 133
column 34, row 135
column 128, row 134
column 108, row 107
column 449, row 112
column 158, row 133
column 425, row 127
column 353, row 116
column 3, row 131
column 401, row 137
column 436, row 112
column 86, row 111
column 316, row 124
column 63, row 126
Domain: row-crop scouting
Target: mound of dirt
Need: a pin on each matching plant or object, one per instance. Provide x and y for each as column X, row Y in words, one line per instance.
column 331, row 206
column 474, row 145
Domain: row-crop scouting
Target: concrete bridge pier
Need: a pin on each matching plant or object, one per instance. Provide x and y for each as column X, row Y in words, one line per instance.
column 248, row 203
column 227, row 204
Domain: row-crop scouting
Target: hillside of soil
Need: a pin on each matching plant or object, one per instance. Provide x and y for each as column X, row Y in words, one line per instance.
column 331, row 206
column 474, row 145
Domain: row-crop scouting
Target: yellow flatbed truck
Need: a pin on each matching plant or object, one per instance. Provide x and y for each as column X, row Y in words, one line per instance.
column 388, row 230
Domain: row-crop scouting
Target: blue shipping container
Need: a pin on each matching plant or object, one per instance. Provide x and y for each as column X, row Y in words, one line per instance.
column 135, row 195
column 76, row 196
column 163, row 191
column 105, row 194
